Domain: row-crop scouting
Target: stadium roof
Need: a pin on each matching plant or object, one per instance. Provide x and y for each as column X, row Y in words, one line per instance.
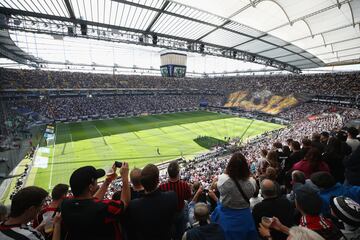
column 285, row 34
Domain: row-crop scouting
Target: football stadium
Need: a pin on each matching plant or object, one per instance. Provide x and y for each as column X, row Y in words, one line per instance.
column 179, row 119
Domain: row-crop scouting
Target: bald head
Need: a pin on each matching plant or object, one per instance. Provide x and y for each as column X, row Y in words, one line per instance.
column 201, row 212
column 268, row 188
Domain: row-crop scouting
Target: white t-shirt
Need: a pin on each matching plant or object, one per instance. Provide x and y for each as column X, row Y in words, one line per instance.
column 353, row 143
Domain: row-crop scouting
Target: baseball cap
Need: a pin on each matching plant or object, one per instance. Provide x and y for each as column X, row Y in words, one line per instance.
column 82, row 177
column 346, row 209
column 308, row 200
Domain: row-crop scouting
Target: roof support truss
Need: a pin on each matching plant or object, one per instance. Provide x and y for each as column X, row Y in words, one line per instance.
column 166, row 3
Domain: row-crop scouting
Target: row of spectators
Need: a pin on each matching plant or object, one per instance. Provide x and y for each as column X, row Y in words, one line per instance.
column 328, row 83
column 67, row 107
column 305, row 110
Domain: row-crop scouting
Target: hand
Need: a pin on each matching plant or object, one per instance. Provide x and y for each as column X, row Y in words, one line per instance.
column 276, row 224
column 264, row 232
column 212, row 195
column 57, row 218
column 124, row 171
column 200, row 190
column 111, row 175
column 41, row 226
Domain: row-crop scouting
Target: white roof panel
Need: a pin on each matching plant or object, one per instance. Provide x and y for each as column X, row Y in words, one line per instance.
column 334, row 18
column 225, row 38
column 216, row 7
column 341, row 34
column 171, row 25
column 311, row 25
column 346, row 44
column 290, row 58
column 244, row 29
column 294, row 48
column 255, row 46
column 274, row 40
column 297, row 9
column 291, row 32
column 278, row 52
column 258, row 17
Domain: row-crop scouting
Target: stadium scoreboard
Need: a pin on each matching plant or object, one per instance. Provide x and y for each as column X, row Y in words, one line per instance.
column 173, row 64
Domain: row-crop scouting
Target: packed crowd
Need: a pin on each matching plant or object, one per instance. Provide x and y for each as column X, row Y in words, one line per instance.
column 68, row 107
column 305, row 110
column 301, row 182
column 328, row 84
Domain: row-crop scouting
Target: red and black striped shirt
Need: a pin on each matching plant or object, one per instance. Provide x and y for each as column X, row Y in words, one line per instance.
column 182, row 190
column 92, row 218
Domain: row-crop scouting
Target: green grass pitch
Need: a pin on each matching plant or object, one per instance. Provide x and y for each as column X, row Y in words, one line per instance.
column 135, row 140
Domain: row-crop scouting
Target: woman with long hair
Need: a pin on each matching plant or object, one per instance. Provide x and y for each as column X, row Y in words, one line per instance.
column 311, row 163
column 236, row 187
column 334, row 157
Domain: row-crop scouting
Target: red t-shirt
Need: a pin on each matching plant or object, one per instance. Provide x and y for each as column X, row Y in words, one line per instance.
column 304, row 166
column 182, row 190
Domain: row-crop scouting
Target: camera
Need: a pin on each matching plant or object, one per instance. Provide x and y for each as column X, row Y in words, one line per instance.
column 118, row 164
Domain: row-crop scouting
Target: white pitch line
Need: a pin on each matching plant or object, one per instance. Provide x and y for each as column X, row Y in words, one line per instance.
column 53, row 158
column 98, row 131
column 103, row 138
column 72, row 143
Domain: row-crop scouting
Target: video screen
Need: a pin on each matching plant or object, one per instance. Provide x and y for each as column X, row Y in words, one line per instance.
column 179, row 71
column 164, row 71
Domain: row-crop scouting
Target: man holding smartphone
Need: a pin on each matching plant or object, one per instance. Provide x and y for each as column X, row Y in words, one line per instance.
column 88, row 215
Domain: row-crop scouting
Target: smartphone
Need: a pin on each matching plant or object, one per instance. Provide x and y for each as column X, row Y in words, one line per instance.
column 118, row 164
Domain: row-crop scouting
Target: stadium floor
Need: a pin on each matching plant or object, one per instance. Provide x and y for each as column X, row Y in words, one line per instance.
column 137, row 140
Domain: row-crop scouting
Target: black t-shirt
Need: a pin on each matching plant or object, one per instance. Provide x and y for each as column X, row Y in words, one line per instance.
column 136, row 194
column 92, row 219
column 151, row 216
column 292, row 159
column 278, row 207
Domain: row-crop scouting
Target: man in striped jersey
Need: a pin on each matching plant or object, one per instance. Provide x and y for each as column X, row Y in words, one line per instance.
column 88, row 215
column 183, row 192
column 25, row 205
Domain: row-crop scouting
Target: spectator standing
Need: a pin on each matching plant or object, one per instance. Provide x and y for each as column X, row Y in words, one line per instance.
column 88, row 215
column 348, row 212
column 295, row 156
column 137, row 190
column 316, row 143
column 152, row 216
column 58, row 194
column 309, row 203
column 352, row 141
column 352, row 168
column 25, row 205
column 329, row 188
column 202, row 228
column 273, row 205
column 236, row 187
column 183, row 192
column 334, row 157
column 311, row 163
